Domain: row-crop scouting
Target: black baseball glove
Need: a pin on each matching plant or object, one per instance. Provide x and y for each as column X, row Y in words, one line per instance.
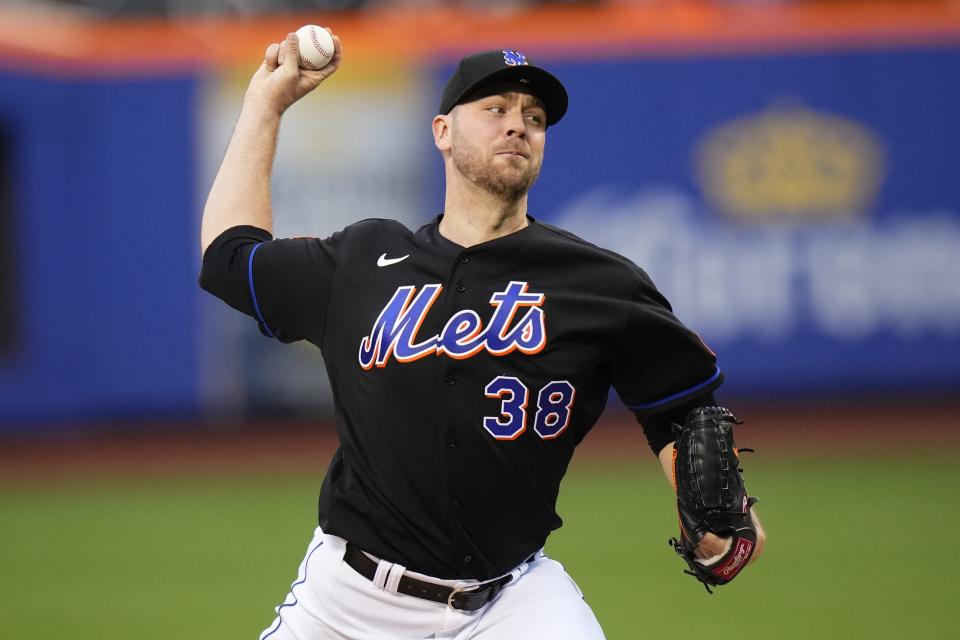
column 711, row 496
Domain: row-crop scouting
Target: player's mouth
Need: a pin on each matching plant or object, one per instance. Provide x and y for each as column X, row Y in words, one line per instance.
column 513, row 151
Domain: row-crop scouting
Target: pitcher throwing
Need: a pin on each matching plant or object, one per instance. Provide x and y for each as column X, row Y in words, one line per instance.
column 467, row 359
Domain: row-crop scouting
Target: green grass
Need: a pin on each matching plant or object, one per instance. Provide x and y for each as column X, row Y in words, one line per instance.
column 850, row 554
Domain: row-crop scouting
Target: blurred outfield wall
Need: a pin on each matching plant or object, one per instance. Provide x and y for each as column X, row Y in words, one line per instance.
column 788, row 176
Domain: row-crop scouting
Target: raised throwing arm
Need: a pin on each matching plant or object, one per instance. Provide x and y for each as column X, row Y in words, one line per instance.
column 240, row 194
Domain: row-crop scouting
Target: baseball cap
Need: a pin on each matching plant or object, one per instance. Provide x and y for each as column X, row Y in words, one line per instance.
column 501, row 65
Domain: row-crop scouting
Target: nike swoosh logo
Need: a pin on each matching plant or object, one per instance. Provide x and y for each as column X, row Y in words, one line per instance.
column 384, row 261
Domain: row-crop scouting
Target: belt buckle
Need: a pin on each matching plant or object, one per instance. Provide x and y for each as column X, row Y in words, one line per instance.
column 456, row 590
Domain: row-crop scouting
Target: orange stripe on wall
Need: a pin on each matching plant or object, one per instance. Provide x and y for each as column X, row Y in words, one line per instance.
column 67, row 43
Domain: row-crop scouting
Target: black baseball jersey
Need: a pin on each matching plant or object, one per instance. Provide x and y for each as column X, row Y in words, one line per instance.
column 463, row 378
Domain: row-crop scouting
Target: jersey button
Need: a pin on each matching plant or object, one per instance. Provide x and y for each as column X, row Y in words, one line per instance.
column 461, row 288
column 464, row 259
column 455, row 504
column 451, row 442
column 467, row 558
column 450, row 380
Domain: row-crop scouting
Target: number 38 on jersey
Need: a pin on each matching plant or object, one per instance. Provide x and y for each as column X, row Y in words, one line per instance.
column 550, row 419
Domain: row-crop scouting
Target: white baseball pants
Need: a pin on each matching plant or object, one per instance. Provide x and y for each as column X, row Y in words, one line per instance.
column 329, row 600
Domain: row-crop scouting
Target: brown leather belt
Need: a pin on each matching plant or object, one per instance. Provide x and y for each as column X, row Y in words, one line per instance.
column 470, row 599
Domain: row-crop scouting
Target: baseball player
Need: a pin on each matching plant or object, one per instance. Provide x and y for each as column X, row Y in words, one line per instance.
column 467, row 360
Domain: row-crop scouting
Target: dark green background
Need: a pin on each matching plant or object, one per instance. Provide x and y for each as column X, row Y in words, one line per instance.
column 851, row 552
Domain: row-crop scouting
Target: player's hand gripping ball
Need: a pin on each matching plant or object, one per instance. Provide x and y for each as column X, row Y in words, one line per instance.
column 316, row 47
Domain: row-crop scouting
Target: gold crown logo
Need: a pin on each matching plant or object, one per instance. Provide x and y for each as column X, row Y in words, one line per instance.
column 790, row 163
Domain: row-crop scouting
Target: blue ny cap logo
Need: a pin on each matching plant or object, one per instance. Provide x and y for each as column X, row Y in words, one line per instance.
column 514, row 58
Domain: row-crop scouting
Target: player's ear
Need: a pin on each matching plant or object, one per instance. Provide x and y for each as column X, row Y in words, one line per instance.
column 441, row 132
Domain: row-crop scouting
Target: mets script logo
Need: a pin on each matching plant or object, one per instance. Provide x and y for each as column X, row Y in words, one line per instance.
column 395, row 330
column 514, row 58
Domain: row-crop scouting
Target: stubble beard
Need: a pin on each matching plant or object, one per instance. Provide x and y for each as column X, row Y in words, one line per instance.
column 506, row 183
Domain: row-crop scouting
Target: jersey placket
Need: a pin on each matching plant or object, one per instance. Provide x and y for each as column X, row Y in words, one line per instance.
column 455, row 297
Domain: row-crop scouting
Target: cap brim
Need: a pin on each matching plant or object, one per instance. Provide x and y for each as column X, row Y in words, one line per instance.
column 542, row 84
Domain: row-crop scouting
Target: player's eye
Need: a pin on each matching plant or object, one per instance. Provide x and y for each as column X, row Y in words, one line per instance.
column 496, row 109
column 535, row 118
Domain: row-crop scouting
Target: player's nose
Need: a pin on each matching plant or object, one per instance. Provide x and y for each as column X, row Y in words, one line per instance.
column 515, row 125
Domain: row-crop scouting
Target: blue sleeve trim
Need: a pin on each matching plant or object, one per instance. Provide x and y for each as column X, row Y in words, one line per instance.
column 685, row 392
column 253, row 292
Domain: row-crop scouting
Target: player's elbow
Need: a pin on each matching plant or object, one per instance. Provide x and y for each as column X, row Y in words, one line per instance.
column 224, row 271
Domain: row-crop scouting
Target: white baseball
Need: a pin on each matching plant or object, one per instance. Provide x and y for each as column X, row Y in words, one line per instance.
column 316, row 47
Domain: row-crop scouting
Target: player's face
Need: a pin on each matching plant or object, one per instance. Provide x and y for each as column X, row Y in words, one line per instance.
column 497, row 139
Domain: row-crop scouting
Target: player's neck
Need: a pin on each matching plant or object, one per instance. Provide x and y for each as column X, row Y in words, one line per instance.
column 474, row 216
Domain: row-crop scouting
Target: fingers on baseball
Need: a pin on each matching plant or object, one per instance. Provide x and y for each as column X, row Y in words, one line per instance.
column 337, row 51
column 270, row 57
column 290, row 53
